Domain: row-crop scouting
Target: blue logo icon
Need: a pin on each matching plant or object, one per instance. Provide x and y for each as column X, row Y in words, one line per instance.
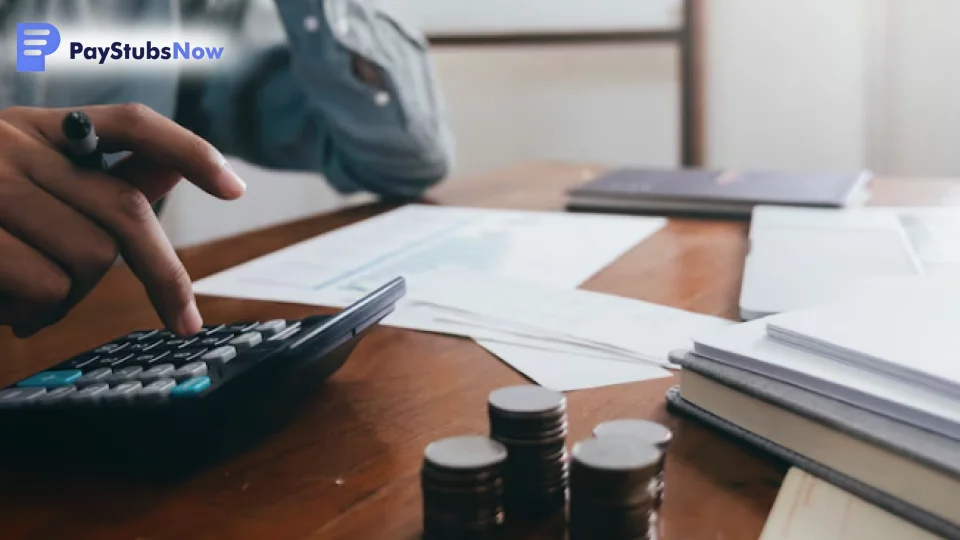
column 34, row 42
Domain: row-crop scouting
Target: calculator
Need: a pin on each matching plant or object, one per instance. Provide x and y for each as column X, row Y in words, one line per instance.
column 150, row 390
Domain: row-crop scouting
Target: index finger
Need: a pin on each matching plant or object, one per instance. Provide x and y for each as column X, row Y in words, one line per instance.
column 140, row 129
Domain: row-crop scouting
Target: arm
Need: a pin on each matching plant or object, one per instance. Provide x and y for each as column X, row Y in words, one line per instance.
column 352, row 96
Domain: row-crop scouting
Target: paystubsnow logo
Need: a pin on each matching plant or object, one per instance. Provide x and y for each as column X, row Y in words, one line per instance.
column 42, row 46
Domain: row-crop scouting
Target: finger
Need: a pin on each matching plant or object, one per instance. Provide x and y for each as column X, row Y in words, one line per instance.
column 62, row 234
column 125, row 213
column 26, row 275
column 154, row 179
column 138, row 128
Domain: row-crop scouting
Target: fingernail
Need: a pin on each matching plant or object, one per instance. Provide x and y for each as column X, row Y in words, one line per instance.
column 192, row 322
column 230, row 176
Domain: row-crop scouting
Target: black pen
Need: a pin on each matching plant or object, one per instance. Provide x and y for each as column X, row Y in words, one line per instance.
column 82, row 141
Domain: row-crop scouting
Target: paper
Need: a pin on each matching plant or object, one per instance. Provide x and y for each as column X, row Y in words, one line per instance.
column 565, row 372
column 645, row 331
column 339, row 267
column 558, row 249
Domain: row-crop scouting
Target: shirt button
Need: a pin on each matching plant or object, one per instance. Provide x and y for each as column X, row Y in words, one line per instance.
column 382, row 99
column 311, row 24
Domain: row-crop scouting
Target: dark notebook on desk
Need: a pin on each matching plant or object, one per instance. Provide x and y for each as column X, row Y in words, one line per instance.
column 715, row 192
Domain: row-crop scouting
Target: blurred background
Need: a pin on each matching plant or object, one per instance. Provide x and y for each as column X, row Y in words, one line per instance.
column 783, row 84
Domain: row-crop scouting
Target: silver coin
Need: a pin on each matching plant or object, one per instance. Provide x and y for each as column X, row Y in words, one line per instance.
column 650, row 432
column 526, row 400
column 467, row 452
column 615, row 454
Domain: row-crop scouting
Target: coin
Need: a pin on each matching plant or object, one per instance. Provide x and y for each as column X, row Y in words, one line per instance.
column 526, row 401
column 650, row 432
column 465, row 453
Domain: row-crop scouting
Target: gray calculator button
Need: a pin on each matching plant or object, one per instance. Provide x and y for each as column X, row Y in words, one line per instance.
column 220, row 355
column 250, row 339
column 16, row 397
column 123, row 391
column 57, row 394
column 191, row 370
column 95, row 376
column 125, row 374
column 271, row 328
column 159, row 371
column 90, row 394
column 157, row 389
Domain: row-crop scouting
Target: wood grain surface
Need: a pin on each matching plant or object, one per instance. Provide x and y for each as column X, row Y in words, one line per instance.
column 347, row 466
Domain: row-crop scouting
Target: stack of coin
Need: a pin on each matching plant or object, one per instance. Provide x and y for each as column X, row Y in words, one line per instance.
column 531, row 422
column 649, row 432
column 613, row 489
column 462, row 483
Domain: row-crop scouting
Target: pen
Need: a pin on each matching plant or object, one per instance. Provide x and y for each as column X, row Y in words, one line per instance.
column 82, row 141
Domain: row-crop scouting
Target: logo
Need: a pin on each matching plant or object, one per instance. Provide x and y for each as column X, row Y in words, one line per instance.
column 35, row 41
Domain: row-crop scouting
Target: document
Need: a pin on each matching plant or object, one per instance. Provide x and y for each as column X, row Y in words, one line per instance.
column 640, row 330
column 557, row 249
column 337, row 268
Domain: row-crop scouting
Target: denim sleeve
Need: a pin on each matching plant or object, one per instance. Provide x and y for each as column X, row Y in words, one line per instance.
column 302, row 106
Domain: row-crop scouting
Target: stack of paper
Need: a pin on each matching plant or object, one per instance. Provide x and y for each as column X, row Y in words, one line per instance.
column 504, row 278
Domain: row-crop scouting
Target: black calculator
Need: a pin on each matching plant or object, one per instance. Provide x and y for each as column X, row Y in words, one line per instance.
column 152, row 390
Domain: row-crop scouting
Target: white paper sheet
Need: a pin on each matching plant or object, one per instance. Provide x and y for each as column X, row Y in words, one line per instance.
column 640, row 329
column 564, row 371
column 337, row 268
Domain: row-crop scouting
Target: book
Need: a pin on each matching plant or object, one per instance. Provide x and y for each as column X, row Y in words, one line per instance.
column 901, row 468
column 809, row 507
column 728, row 192
column 748, row 347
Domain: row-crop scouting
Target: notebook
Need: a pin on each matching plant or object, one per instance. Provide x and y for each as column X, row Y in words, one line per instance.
column 808, row 507
column 911, row 334
column 748, row 347
column 729, row 192
column 903, row 469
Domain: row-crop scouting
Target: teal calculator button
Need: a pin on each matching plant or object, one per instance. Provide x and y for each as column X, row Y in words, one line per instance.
column 191, row 387
column 51, row 379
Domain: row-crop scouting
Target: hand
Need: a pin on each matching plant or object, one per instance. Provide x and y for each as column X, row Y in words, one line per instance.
column 61, row 227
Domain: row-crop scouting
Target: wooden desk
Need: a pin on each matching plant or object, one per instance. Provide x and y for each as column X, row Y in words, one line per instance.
column 347, row 468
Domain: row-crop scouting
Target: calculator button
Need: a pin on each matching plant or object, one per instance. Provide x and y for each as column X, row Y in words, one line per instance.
column 143, row 346
column 185, row 356
column 141, row 334
column 159, row 371
column 190, row 371
column 123, row 392
column 156, row 390
column 213, row 341
column 95, row 376
column 147, row 358
column 220, row 355
column 250, row 339
column 124, row 374
column 89, row 394
column 110, row 348
column 177, row 343
column 271, row 328
column 191, row 387
column 81, row 361
column 57, row 394
column 112, row 360
column 16, row 397
column 50, row 379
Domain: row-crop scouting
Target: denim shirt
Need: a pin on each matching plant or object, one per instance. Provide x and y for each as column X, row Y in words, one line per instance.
column 298, row 105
